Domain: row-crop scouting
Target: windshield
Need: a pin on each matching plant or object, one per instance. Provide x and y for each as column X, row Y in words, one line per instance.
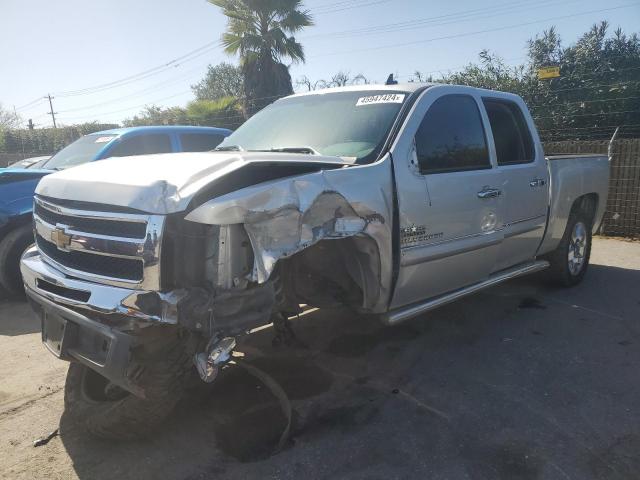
column 81, row 151
column 343, row 124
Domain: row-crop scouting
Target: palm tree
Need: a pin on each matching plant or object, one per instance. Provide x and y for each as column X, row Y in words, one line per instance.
column 261, row 32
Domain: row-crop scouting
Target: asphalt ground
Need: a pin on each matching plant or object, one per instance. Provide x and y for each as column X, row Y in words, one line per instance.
column 521, row 381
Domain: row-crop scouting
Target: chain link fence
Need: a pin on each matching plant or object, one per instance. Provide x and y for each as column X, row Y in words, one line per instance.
column 622, row 217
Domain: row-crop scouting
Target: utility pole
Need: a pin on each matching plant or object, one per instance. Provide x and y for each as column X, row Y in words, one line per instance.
column 52, row 113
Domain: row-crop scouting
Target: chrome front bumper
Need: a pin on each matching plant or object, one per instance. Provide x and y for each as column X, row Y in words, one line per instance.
column 91, row 323
column 43, row 280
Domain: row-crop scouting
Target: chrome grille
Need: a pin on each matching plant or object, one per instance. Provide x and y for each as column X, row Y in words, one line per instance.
column 120, row 249
column 114, row 228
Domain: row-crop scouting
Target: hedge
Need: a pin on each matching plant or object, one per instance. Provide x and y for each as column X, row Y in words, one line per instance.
column 46, row 141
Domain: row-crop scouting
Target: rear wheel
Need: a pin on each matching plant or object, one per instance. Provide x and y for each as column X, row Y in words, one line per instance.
column 12, row 247
column 569, row 262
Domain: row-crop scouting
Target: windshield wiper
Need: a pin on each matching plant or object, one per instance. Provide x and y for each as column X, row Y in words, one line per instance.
column 307, row 150
column 229, row 148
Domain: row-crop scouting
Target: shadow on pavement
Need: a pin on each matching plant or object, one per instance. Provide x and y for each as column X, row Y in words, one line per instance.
column 516, row 382
column 16, row 317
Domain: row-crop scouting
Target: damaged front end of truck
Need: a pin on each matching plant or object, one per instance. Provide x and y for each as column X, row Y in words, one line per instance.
column 118, row 289
column 139, row 277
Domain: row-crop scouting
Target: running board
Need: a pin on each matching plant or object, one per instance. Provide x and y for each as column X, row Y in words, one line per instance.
column 405, row 313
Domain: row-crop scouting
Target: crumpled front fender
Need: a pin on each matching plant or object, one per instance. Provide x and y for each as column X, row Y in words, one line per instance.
column 284, row 217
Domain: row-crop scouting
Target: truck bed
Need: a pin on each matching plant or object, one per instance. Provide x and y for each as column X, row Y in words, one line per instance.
column 573, row 174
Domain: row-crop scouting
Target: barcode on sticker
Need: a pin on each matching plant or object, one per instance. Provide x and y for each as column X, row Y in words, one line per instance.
column 385, row 98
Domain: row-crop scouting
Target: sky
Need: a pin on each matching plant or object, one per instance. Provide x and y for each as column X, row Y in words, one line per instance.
column 83, row 53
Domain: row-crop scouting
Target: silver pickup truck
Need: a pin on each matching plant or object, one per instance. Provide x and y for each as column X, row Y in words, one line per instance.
column 390, row 200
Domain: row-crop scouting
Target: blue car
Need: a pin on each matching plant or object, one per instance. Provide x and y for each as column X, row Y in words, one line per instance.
column 17, row 185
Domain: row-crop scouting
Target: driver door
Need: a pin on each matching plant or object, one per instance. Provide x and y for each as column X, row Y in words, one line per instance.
column 450, row 197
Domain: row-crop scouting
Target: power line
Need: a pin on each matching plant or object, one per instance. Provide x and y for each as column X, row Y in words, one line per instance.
column 33, row 102
column 207, row 47
column 152, row 88
column 176, row 62
column 477, row 32
column 447, row 19
column 580, row 102
column 532, row 105
column 347, row 6
column 131, row 108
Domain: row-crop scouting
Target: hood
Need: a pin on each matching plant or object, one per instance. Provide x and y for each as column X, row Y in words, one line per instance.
column 168, row 183
column 17, row 174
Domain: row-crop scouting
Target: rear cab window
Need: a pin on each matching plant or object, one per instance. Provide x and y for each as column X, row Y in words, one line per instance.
column 200, row 142
column 142, row 145
column 511, row 135
column 451, row 137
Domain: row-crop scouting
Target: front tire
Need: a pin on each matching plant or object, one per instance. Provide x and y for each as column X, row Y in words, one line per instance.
column 569, row 262
column 108, row 411
column 12, row 247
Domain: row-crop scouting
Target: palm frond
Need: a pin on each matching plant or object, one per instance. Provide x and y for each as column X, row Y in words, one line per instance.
column 296, row 20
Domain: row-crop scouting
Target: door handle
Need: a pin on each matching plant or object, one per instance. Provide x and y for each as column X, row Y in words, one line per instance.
column 537, row 182
column 489, row 193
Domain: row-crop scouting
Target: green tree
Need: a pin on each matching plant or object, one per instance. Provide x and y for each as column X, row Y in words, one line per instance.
column 491, row 73
column 222, row 80
column 154, row 115
column 223, row 112
column 597, row 91
column 262, row 32
column 46, row 141
column 339, row 79
column 598, row 88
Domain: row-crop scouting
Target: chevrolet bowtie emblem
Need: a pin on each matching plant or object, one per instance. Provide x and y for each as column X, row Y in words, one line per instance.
column 60, row 237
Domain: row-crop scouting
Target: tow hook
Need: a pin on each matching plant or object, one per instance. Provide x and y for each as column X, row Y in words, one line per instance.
column 218, row 352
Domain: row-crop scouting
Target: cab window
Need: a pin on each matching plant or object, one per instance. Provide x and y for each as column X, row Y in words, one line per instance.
column 200, row 142
column 142, row 145
column 511, row 135
column 451, row 137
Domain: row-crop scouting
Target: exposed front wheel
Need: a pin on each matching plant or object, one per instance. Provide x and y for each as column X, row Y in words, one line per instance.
column 104, row 409
column 570, row 260
column 108, row 411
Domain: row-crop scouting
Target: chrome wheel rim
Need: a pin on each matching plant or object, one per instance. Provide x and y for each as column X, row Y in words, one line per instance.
column 577, row 248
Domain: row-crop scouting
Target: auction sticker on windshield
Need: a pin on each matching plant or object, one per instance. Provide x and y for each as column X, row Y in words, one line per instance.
column 385, row 98
column 105, row 139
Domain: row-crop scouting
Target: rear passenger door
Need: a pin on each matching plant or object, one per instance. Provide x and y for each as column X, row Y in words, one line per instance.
column 199, row 142
column 449, row 196
column 525, row 182
column 143, row 144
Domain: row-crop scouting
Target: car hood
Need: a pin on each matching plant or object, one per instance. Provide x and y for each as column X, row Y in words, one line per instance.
column 14, row 174
column 16, row 191
column 168, row 183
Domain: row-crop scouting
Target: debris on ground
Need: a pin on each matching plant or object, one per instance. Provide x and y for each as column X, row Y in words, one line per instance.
column 44, row 440
column 278, row 392
column 532, row 303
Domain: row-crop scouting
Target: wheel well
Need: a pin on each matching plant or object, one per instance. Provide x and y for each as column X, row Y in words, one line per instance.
column 334, row 272
column 586, row 205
